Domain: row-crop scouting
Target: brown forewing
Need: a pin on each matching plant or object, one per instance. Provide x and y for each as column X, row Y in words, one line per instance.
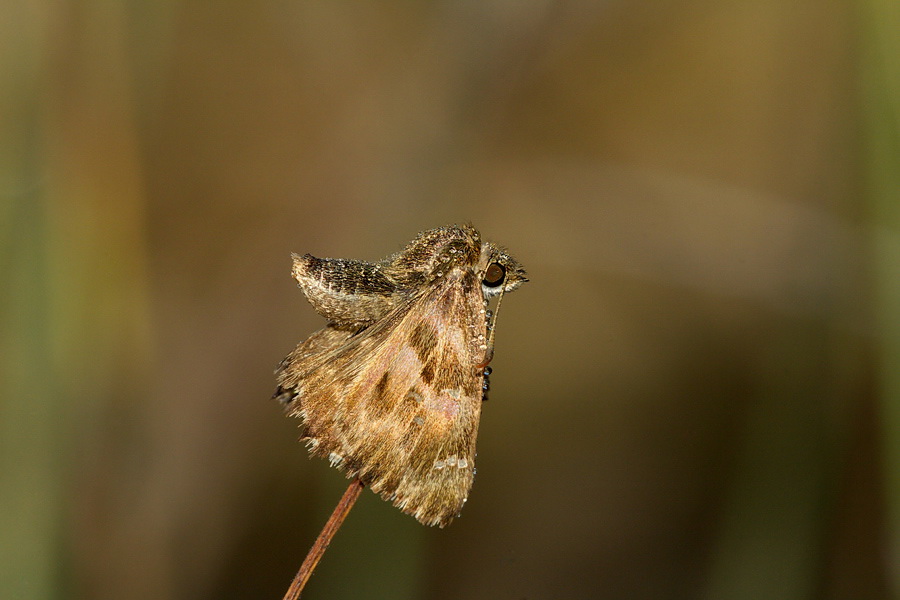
column 398, row 403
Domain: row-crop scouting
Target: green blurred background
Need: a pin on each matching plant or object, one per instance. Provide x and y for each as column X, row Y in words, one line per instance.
column 697, row 396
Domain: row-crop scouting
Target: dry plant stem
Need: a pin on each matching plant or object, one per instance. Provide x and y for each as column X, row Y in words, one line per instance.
column 331, row 526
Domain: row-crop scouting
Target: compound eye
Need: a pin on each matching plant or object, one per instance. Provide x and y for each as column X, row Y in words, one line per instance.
column 494, row 275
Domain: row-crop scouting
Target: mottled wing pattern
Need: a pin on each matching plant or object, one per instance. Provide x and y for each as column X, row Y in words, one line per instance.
column 414, row 380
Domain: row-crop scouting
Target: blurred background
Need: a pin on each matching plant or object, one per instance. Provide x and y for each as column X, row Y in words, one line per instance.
column 698, row 395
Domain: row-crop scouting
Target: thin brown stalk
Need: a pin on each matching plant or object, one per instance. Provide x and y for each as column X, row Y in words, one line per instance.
column 331, row 526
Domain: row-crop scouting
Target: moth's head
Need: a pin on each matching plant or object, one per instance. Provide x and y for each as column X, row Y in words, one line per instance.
column 498, row 271
column 435, row 252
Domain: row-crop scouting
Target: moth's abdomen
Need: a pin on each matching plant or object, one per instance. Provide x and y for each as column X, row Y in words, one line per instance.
column 346, row 292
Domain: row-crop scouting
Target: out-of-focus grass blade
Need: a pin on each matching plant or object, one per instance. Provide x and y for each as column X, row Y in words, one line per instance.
column 30, row 504
column 881, row 111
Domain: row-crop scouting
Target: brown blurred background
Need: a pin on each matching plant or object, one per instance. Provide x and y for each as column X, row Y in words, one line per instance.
column 696, row 397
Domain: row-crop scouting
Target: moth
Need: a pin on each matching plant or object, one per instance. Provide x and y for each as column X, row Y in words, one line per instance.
column 390, row 391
